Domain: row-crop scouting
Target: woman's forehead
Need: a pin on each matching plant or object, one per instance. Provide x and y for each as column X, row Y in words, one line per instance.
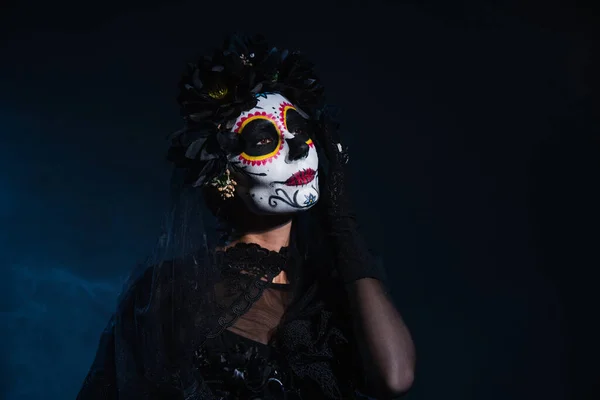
column 269, row 102
column 271, row 106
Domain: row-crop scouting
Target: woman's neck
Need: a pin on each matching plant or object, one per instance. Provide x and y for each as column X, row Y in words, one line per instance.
column 273, row 238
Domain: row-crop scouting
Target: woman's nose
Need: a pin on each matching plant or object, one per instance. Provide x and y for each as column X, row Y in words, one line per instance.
column 298, row 148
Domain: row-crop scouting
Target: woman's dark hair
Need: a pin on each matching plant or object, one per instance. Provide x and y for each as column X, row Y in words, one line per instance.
column 227, row 212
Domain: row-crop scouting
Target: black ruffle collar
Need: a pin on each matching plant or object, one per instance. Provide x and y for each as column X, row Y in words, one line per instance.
column 252, row 258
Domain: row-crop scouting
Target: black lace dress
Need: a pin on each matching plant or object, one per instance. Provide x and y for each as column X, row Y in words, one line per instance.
column 244, row 361
column 251, row 359
column 263, row 355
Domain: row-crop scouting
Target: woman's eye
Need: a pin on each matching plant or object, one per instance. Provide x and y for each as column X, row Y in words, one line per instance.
column 264, row 141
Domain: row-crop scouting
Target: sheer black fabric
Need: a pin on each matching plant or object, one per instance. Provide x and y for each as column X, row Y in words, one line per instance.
column 302, row 352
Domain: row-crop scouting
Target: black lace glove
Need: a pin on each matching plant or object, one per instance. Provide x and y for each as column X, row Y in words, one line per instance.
column 352, row 256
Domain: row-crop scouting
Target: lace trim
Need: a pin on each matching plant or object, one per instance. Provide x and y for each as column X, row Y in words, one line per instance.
column 243, row 303
column 257, row 262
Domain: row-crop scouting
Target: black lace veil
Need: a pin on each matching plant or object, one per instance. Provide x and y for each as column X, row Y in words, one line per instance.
column 186, row 293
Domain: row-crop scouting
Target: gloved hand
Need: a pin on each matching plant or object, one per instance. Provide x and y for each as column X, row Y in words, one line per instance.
column 352, row 256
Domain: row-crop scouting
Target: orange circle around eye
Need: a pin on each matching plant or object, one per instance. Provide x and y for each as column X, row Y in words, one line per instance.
column 248, row 159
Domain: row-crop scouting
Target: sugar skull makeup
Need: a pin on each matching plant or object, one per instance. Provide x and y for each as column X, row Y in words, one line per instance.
column 278, row 161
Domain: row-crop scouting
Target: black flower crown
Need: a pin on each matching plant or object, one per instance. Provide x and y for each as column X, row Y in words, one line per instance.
column 215, row 90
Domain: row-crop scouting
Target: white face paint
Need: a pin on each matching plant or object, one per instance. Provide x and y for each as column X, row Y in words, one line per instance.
column 279, row 160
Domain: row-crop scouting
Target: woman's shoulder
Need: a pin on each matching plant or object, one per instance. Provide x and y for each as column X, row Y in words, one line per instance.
column 145, row 281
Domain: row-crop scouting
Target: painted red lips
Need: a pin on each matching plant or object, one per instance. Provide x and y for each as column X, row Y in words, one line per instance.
column 301, row 177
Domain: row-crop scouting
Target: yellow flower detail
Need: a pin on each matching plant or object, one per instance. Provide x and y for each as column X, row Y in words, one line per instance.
column 218, row 93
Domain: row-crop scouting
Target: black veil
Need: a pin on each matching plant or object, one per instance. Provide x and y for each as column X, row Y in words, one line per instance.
column 184, row 295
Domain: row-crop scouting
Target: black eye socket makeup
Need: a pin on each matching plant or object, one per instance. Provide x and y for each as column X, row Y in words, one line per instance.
column 260, row 137
column 297, row 124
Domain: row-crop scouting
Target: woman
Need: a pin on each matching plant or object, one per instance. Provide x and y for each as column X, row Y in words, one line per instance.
column 289, row 304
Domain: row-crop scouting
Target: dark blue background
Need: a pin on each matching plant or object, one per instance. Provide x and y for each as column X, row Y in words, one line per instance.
column 474, row 145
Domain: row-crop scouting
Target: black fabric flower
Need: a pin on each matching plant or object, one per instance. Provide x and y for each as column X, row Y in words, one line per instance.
column 237, row 370
column 216, row 89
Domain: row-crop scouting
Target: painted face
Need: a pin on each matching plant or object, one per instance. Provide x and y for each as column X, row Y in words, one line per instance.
column 279, row 161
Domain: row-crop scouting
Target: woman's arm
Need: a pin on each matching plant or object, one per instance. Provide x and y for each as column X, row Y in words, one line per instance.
column 384, row 342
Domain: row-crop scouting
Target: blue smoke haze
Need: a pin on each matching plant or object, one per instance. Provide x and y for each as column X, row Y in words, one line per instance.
column 54, row 327
column 70, row 234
